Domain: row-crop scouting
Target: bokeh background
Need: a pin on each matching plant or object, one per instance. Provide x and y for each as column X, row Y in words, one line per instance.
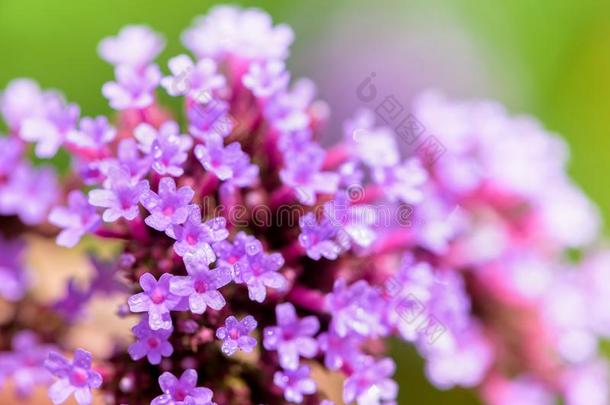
column 548, row 58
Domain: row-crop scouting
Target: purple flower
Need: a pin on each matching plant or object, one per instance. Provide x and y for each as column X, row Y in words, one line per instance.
column 169, row 207
column 72, row 304
column 244, row 34
column 295, row 383
column 302, row 173
column 75, row 377
column 150, row 343
column 156, row 299
column 194, row 236
column 120, row 197
column 201, row 285
column 11, row 153
column 129, row 159
column 234, row 335
column 354, row 222
column 197, row 81
column 13, row 281
column 77, row 219
column 292, row 337
column 402, row 182
column 229, row 253
column 29, row 193
column 25, row 363
column 135, row 46
column 358, row 308
column 209, row 119
column 167, row 149
column 370, row 384
column 51, row 128
column 93, row 133
column 134, row 88
column 226, row 162
column 339, row 350
column 21, row 100
column 259, row 270
column 266, row 78
column 318, row 237
column 183, row 391
column 105, row 280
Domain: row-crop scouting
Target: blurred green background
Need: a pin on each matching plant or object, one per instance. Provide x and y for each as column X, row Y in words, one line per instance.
column 547, row 58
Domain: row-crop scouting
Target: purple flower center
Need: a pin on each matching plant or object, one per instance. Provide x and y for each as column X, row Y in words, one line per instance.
column 157, row 296
column 168, row 210
column 234, row 334
column 153, row 342
column 79, row 377
column 180, row 394
column 200, row 286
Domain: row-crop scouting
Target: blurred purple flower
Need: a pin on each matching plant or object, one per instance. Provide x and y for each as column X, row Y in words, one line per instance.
column 195, row 80
column 226, row 162
column 135, row 46
column 75, row 377
column 318, row 237
column 370, row 384
column 133, row 88
column 77, row 219
column 295, row 383
column 266, row 78
column 13, row 281
column 292, row 337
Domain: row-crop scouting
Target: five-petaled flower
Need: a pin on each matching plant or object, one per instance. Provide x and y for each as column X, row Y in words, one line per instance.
column 75, row 377
column 234, row 335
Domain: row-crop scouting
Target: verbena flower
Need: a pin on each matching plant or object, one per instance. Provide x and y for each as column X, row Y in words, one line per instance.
column 182, row 391
column 74, row 378
column 292, row 337
column 120, row 197
column 150, row 343
column 167, row 149
column 169, row 206
column 77, row 219
column 156, row 300
column 234, row 335
column 295, row 383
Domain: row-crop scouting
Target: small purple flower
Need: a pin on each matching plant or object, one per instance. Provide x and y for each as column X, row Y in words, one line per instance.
column 226, row 162
column 259, row 270
column 77, row 219
column 318, row 237
column 129, row 159
column 183, row 391
column 133, row 88
column 13, row 281
column 229, row 253
column 266, row 78
column 120, row 197
column 93, row 133
column 50, row 129
column 167, row 149
column 338, row 350
column 302, row 173
column 194, row 80
column 201, row 285
column 295, row 383
column 356, row 308
column 25, row 363
column 209, row 119
column 135, row 46
column 354, row 222
column 29, row 193
column 157, row 300
column 73, row 303
column 194, row 236
column 11, row 153
column 105, row 280
column 292, row 337
column 234, row 335
column 402, row 182
column 150, row 343
column 21, row 100
column 75, row 377
column 169, row 207
column 370, row 384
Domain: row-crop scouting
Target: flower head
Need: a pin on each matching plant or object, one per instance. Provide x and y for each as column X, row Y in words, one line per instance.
column 132, row 88
column 292, row 337
column 258, row 271
column 234, row 335
column 157, row 300
column 168, row 207
column 150, row 343
column 120, row 197
column 167, row 149
column 194, row 236
column 196, row 80
column 135, row 46
column 74, row 377
column 183, row 391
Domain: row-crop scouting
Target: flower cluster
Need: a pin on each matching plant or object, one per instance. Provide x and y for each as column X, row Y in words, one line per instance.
column 479, row 279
